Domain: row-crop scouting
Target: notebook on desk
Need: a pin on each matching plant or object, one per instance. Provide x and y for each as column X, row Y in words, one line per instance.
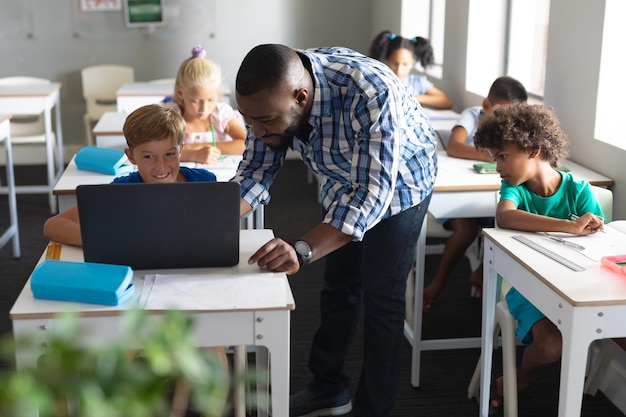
column 160, row 226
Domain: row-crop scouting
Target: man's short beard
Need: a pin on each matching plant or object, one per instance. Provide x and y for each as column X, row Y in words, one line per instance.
column 286, row 138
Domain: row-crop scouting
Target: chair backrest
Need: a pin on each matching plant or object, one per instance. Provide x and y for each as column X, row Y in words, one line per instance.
column 100, row 84
column 6, row 81
column 605, row 197
column 26, row 125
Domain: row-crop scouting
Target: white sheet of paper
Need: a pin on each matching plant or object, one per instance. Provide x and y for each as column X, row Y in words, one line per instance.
column 608, row 243
column 213, row 292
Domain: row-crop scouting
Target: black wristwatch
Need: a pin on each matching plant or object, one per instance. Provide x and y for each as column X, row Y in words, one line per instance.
column 303, row 251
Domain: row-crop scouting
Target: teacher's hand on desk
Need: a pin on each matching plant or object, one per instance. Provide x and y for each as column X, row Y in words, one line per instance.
column 277, row 256
column 280, row 256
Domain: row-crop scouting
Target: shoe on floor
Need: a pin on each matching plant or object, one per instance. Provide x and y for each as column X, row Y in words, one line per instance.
column 309, row 404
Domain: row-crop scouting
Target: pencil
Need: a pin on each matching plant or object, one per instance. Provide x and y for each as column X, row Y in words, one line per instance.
column 213, row 134
column 53, row 251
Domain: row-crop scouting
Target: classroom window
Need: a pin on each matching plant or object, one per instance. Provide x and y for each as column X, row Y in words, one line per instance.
column 611, row 82
column 513, row 43
column 528, row 43
column 426, row 18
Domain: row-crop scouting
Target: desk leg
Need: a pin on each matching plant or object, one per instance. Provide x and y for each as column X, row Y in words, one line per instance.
column 416, row 337
column 50, row 161
column 272, row 331
column 13, row 229
column 59, row 134
column 573, row 366
column 489, row 296
column 260, row 216
column 262, row 362
column 27, row 358
column 240, row 360
column 255, row 219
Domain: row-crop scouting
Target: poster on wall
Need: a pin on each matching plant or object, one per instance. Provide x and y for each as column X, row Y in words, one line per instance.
column 162, row 19
column 100, row 5
column 144, row 13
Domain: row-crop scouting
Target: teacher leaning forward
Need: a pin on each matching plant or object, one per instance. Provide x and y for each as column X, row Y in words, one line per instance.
column 359, row 130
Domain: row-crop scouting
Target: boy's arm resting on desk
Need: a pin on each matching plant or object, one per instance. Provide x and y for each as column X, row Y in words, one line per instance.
column 64, row 227
column 509, row 217
column 457, row 147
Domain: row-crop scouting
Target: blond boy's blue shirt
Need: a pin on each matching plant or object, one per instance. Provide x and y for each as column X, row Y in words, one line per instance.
column 371, row 144
column 190, row 174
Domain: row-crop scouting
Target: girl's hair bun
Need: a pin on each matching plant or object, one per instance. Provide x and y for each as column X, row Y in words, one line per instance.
column 198, row 52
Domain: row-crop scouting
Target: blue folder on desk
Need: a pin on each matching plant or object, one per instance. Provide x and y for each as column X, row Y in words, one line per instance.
column 103, row 160
column 83, row 282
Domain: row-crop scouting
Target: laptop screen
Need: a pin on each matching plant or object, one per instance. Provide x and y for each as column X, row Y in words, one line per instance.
column 160, row 226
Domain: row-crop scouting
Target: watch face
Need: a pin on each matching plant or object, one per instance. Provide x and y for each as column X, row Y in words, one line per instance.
column 303, row 251
column 302, row 248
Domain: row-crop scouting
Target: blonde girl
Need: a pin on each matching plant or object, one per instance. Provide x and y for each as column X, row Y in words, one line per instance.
column 213, row 127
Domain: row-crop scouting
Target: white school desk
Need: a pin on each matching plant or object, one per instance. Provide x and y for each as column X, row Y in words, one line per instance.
column 12, row 232
column 131, row 96
column 585, row 306
column 460, row 191
column 108, row 130
column 36, row 99
column 268, row 327
column 72, row 177
column 441, row 119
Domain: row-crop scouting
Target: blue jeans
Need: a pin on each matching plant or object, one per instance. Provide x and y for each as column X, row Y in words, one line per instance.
column 373, row 271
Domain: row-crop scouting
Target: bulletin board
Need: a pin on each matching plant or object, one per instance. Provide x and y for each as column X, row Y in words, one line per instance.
column 183, row 18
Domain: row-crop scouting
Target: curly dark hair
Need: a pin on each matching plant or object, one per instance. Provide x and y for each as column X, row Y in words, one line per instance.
column 527, row 126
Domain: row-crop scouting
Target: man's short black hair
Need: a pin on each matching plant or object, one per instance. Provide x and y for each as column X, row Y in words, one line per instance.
column 264, row 67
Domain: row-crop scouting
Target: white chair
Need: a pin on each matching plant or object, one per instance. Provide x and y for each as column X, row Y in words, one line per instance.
column 27, row 128
column 606, row 347
column 100, row 84
column 30, row 129
column 506, row 325
column 10, row 233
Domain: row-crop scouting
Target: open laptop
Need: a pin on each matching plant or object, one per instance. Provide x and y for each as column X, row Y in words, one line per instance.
column 160, row 226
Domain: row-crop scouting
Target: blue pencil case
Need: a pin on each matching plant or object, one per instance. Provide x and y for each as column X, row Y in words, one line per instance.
column 103, row 160
column 83, row 282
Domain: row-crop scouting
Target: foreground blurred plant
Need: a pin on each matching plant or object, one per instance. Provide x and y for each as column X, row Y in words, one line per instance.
column 167, row 377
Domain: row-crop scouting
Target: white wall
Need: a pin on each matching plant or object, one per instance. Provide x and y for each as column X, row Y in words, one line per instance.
column 386, row 15
column 571, row 88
